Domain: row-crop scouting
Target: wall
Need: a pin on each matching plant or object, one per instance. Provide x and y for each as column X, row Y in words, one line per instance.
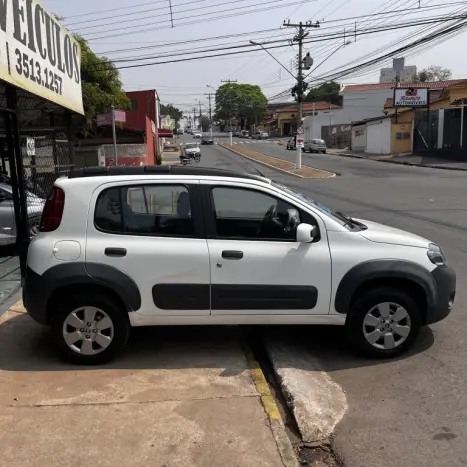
column 359, row 138
column 313, row 125
column 151, row 143
column 360, row 105
column 144, row 105
column 401, row 138
column 378, row 136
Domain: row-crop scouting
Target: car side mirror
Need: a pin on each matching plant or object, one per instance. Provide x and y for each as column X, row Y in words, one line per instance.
column 306, row 233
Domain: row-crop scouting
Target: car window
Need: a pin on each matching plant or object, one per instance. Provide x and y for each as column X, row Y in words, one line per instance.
column 251, row 215
column 145, row 210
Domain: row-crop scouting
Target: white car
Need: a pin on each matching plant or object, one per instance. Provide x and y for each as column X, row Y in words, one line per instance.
column 142, row 246
column 197, row 134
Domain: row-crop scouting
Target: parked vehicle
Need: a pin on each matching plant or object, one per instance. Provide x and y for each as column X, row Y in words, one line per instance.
column 315, row 145
column 180, row 131
column 292, row 143
column 161, row 245
column 35, row 205
column 207, row 139
column 244, row 134
column 260, row 135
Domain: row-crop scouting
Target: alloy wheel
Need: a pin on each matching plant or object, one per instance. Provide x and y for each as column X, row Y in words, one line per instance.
column 386, row 325
column 88, row 330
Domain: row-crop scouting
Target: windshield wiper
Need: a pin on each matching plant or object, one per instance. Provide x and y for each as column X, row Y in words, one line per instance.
column 349, row 221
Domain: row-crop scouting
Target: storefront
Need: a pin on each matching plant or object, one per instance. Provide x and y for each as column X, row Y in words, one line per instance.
column 40, row 106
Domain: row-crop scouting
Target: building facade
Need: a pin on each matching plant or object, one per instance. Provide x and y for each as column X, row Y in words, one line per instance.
column 398, row 72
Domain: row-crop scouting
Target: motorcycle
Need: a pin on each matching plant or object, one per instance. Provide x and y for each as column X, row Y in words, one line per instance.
column 190, row 157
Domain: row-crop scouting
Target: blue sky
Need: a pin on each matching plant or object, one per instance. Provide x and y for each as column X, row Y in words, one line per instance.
column 183, row 83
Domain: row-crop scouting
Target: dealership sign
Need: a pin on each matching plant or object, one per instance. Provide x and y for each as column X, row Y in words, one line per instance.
column 38, row 54
column 411, row 97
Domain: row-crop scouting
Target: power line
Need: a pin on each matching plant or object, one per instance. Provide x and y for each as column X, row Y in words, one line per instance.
column 232, row 15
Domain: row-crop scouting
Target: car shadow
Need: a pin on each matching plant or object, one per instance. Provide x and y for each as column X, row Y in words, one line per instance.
column 26, row 346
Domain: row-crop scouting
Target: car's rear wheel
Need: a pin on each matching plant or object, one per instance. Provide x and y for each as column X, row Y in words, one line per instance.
column 383, row 322
column 89, row 329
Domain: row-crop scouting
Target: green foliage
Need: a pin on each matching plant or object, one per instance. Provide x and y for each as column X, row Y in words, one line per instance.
column 433, row 73
column 241, row 101
column 101, row 85
column 205, row 123
column 171, row 110
column 328, row 92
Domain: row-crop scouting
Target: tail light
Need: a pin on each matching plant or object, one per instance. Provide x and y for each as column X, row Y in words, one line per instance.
column 53, row 210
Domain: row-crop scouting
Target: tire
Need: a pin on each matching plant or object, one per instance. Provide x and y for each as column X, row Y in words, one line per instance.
column 367, row 304
column 108, row 308
column 197, row 158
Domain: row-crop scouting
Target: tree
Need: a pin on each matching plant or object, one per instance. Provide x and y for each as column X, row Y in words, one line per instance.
column 206, row 123
column 327, row 92
column 171, row 110
column 101, row 85
column 244, row 102
column 433, row 73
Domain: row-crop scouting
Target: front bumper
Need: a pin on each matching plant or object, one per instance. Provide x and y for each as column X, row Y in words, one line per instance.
column 445, row 280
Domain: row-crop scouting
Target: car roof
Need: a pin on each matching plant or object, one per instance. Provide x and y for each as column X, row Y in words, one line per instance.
column 167, row 170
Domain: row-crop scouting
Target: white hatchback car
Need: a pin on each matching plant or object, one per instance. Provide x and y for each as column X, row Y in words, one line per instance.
column 139, row 246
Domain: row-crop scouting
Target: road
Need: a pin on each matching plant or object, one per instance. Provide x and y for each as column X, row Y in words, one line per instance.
column 412, row 410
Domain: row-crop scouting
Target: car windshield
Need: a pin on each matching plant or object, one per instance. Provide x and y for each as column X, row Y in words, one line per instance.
column 321, row 207
column 318, row 141
column 191, row 145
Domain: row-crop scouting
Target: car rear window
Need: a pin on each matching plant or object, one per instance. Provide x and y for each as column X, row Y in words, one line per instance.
column 152, row 210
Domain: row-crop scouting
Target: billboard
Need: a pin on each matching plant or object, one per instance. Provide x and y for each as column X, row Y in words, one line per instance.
column 38, row 54
column 411, row 97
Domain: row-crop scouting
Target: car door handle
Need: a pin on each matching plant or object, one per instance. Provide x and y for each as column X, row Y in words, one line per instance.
column 231, row 254
column 115, row 252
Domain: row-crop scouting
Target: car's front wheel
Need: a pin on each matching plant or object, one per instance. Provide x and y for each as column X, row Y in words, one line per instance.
column 90, row 328
column 383, row 322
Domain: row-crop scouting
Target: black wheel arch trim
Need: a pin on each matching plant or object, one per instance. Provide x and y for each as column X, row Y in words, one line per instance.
column 93, row 274
column 384, row 269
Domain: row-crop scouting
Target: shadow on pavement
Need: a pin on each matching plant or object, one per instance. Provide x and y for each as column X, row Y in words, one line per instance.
column 27, row 346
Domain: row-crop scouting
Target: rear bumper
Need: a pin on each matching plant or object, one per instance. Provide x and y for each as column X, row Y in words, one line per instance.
column 34, row 296
column 445, row 279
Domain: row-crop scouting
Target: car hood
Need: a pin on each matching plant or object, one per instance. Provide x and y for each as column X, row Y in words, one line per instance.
column 381, row 233
column 192, row 150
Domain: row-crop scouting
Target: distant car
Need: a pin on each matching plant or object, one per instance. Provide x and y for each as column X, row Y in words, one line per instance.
column 207, row 139
column 244, row 134
column 180, row 131
column 35, row 206
column 197, row 134
column 191, row 150
column 291, row 143
column 315, row 145
column 236, row 134
column 260, row 135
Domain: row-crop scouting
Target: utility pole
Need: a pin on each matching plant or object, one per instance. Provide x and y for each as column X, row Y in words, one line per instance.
column 194, row 117
column 210, row 111
column 114, row 135
column 300, row 87
column 230, row 109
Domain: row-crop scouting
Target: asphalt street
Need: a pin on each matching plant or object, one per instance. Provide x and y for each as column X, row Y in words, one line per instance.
column 412, row 410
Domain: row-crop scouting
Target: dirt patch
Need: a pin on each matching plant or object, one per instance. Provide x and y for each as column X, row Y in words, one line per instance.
column 280, row 164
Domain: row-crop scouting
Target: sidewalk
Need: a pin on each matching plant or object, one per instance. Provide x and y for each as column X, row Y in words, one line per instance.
column 278, row 164
column 409, row 159
column 176, row 397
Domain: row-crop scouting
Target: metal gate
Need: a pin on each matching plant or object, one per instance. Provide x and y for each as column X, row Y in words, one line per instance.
column 35, row 149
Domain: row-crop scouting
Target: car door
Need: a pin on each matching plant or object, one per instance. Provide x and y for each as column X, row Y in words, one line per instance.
column 154, row 233
column 257, row 266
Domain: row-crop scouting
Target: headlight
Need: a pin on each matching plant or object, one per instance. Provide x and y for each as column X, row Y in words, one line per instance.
column 436, row 255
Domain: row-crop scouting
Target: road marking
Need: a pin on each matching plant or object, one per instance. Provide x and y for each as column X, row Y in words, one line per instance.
column 284, row 445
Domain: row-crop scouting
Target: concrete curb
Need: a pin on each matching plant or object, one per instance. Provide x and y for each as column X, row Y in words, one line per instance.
column 277, row 168
column 317, row 402
column 283, row 443
column 389, row 161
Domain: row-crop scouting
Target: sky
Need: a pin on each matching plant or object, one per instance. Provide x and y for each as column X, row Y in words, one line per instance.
column 142, row 23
